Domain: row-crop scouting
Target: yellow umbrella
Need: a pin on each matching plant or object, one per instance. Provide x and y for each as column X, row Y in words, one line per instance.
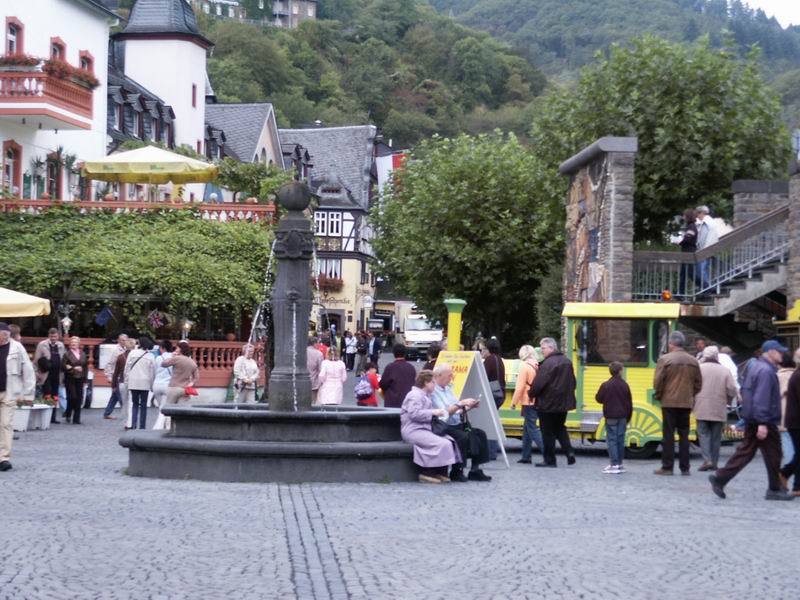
column 150, row 165
column 17, row 304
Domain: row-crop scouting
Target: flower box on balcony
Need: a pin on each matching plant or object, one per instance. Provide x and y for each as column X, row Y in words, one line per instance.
column 18, row 62
column 330, row 284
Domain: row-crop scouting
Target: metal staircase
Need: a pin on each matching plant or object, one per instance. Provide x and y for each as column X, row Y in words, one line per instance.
column 746, row 265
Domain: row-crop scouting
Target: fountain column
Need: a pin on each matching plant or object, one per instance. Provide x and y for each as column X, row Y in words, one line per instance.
column 290, row 384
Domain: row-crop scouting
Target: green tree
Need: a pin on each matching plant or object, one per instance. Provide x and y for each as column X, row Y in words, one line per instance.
column 470, row 217
column 703, row 119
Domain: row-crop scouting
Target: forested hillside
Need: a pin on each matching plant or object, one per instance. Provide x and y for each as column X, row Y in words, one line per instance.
column 562, row 35
column 396, row 63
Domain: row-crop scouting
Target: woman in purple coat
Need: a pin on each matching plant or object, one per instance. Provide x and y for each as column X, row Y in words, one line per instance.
column 433, row 454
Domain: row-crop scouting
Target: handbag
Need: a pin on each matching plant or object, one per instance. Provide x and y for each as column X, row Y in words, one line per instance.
column 497, row 390
column 438, row 426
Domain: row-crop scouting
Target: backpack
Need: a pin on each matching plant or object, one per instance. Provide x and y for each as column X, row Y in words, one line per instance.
column 363, row 388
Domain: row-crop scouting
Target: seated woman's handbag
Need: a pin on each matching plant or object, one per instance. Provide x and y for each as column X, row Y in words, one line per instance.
column 438, row 426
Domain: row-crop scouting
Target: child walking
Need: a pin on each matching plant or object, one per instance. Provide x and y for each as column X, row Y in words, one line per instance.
column 615, row 396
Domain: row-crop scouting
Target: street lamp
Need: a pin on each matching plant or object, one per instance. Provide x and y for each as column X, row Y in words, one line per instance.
column 185, row 328
column 64, row 309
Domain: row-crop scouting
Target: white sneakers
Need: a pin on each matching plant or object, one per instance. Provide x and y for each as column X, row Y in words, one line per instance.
column 614, row 469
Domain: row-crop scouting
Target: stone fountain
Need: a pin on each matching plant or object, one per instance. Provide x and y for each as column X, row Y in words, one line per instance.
column 288, row 440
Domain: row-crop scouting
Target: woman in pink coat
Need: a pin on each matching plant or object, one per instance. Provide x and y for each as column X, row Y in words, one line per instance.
column 433, row 454
column 332, row 375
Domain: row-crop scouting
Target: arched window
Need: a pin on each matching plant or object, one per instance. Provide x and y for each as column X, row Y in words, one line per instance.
column 263, row 156
column 58, row 49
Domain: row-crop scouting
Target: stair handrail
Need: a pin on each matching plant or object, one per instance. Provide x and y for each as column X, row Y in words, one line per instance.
column 755, row 244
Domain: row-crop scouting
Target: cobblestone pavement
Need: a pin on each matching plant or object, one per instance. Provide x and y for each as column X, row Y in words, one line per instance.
column 74, row 526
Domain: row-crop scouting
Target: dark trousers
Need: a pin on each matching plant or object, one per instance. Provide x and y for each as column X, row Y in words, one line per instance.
column 746, row 450
column 50, row 388
column 139, row 408
column 553, row 428
column 472, row 444
column 349, row 361
column 675, row 419
column 793, row 467
column 74, row 398
column 112, row 402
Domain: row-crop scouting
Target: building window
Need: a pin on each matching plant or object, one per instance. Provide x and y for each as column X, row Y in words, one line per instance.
column 57, row 51
column 335, row 224
column 230, row 12
column 12, row 168
column 194, row 95
column 310, row 10
column 199, row 147
column 321, row 223
column 264, row 155
column 118, row 116
column 54, row 178
column 14, row 36
column 330, row 267
column 364, row 274
column 295, row 9
column 219, row 10
column 157, row 129
column 260, row 4
column 137, row 124
column 168, row 134
column 206, row 8
column 86, row 61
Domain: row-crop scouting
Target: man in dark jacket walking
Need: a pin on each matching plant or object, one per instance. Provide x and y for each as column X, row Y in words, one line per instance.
column 677, row 381
column 553, row 392
column 761, row 410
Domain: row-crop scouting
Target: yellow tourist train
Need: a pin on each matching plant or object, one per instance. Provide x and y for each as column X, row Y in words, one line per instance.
column 634, row 334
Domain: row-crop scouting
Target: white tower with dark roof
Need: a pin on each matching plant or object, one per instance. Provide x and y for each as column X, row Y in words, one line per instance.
column 165, row 52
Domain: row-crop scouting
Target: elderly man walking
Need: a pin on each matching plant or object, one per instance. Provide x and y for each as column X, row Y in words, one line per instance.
column 17, row 382
column 761, row 410
column 111, row 365
column 554, row 394
column 677, row 381
column 711, row 405
column 48, row 358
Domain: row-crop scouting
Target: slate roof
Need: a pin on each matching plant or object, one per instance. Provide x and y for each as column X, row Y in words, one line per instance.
column 242, row 124
column 163, row 16
column 343, row 153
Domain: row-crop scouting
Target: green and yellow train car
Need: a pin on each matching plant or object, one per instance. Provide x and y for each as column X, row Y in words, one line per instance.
column 634, row 334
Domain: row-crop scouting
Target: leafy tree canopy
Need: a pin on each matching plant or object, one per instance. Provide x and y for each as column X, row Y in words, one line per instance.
column 471, row 217
column 191, row 262
column 703, row 119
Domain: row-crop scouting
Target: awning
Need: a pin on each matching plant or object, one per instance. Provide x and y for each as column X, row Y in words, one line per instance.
column 622, row 310
column 150, row 165
column 17, row 304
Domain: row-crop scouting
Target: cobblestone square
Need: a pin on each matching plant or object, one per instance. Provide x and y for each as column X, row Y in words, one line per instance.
column 75, row 526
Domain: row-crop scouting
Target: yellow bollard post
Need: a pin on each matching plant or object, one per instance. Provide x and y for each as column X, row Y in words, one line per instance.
column 454, row 309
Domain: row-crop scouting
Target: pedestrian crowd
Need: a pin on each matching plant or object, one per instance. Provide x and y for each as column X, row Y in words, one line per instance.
column 703, row 384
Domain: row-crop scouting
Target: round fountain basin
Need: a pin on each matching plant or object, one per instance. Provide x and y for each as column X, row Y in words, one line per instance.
column 247, row 443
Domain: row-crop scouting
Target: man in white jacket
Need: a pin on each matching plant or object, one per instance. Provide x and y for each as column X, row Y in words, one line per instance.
column 17, row 381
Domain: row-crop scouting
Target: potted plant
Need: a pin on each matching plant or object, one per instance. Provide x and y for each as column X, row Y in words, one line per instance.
column 22, row 415
column 62, row 70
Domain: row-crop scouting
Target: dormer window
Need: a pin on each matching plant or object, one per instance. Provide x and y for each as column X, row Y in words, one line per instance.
column 12, row 39
column 58, row 50
column 118, row 116
column 137, row 124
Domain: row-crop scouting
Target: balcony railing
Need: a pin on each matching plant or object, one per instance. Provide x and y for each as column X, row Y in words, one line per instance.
column 253, row 213
column 214, row 360
column 35, row 86
column 691, row 276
